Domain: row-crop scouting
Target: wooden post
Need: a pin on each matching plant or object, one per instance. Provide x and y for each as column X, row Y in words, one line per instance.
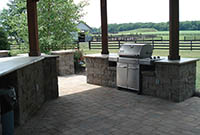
column 89, row 44
column 119, row 44
column 104, row 27
column 78, row 45
column 174, row 30
column 33, row 28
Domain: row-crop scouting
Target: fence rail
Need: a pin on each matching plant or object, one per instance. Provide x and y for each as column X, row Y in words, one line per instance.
column 157, row 44
column 64, row 47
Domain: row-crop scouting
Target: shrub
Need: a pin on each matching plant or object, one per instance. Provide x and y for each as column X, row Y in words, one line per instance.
column 78, row 61
column 4, row 45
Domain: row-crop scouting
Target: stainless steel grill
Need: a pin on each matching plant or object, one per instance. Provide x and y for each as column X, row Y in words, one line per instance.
column 131, row 56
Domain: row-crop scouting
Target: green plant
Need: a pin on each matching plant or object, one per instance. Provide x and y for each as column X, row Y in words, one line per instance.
column 78, row 60
column 4, row 45
column 78, row 56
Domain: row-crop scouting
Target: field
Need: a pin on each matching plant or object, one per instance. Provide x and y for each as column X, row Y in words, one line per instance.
column 164, row 34
column 184, row 54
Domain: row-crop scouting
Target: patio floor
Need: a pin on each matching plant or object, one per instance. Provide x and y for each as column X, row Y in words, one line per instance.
column 84, row 109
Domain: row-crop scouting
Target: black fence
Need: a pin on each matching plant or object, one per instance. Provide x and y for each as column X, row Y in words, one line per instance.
column 157, row 44
column 74, row 45
column 129, row 37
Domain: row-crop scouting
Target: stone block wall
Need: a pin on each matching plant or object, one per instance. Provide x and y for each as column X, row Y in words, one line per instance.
column 4, row 53
column 30, row 90
column 175, row 82
column 50, row 77
column 65, row 62
column 34, row 84
column 99, row 72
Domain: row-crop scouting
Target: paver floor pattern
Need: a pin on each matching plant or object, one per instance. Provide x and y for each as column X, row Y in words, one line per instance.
column 84, row 109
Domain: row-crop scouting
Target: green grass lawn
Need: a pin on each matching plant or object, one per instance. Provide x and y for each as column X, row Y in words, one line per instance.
column 184, row 54
column 195, row 34
column 152, row 31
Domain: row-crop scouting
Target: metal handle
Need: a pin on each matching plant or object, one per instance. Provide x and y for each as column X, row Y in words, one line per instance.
column 134, row 68
column 122, row 66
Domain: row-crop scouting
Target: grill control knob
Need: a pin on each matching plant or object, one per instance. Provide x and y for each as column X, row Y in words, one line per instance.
column 158, row 57
column 154, row 57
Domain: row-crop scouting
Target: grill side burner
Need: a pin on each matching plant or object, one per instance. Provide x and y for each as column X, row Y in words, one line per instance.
column 131, row 56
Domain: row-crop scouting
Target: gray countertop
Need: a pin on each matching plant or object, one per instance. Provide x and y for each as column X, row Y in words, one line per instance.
column 111, row 56
column 63, row 52
column 181, row 61
column 10, row 64
column 114, row 57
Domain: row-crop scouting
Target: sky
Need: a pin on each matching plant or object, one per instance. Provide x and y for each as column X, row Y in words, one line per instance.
column 126, row 11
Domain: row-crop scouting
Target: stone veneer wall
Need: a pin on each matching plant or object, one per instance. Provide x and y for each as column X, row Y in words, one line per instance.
column 30, row 90
column 4, row 53
column 50, row 77
column 175, row 82
column 34, row 84
column 99, row 72
column 65, row 62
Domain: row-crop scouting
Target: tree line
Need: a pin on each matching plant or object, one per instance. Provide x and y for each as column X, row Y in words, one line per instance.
column 163, row 26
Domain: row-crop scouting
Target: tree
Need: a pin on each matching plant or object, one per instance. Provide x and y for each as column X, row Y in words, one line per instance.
column 14, row 21
column 57, row 20
column 3, row 40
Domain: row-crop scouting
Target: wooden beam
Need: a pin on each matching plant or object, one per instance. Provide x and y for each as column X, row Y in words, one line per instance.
column 104, row 27
column 33, row 28
column 174, row 30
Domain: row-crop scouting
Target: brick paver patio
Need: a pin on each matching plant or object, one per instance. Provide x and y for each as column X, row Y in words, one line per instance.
column 84, row 109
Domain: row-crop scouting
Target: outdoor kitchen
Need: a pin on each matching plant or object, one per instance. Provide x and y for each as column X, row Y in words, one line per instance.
column 134, row 68
column 172, row 78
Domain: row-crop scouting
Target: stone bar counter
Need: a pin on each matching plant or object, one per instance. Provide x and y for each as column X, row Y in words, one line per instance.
column 171, row 80
column 101, row 69
column 34, row 79
column 65, row 62
column 4, row 53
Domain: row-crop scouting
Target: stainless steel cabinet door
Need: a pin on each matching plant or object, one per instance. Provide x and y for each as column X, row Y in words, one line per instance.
column 122, row 74
column 133, row 77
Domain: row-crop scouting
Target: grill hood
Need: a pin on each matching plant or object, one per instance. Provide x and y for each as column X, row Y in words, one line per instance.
column 136, row 50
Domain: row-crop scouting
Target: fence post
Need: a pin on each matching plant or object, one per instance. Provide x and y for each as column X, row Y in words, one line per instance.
column 191, row 45
column 78, row 45
column 89, row 45
column 119, row 44
column 153, row 43
column 65, row 47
